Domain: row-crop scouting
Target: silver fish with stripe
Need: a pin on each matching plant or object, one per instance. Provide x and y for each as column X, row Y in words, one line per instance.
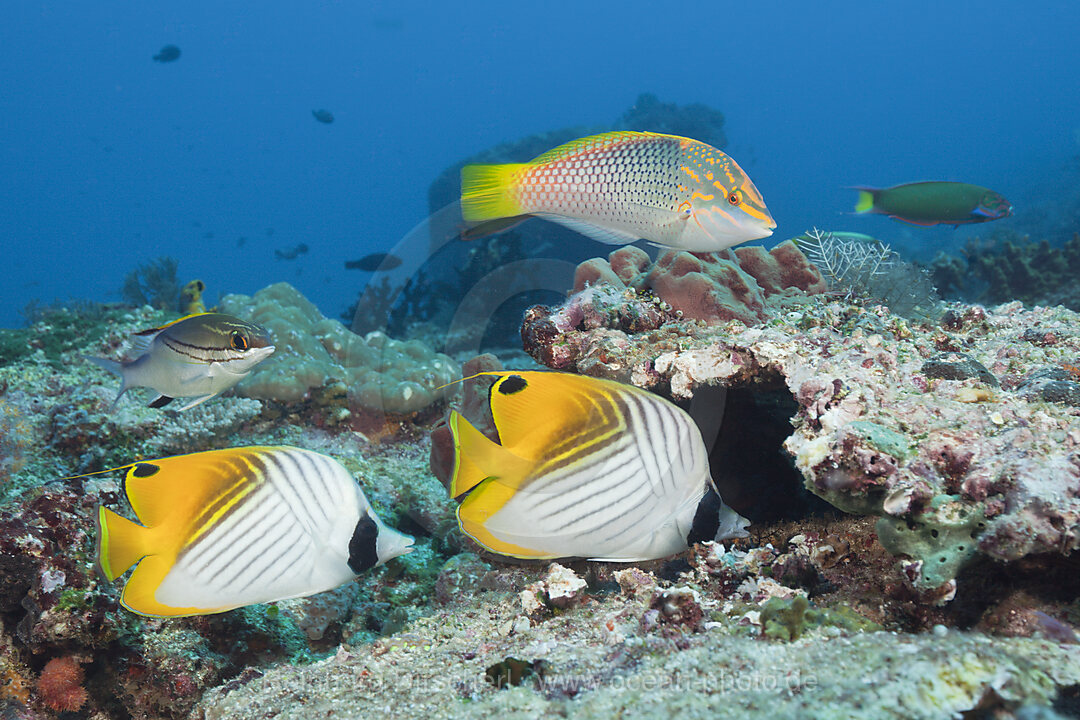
column 198, row 357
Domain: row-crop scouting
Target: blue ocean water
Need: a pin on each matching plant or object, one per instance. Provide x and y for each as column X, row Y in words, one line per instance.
column 109, row 160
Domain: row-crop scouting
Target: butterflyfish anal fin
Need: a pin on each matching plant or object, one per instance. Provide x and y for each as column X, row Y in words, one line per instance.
column 477, row 458
column 139, row 594
column 474, row 512
column 121, row 543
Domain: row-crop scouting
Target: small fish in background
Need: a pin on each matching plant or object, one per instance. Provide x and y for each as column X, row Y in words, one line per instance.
column 169, row 53
column 586, row 468
column 191, row 302
column 223, row 529
column 198, row 356
column 620, row 187
column 934, row 203
column 375, row 262
column 291, row 253
column 323, row 116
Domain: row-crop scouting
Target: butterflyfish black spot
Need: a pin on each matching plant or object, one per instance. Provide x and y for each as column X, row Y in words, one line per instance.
column 512, row 384
column 363, row 552
column 142, row 470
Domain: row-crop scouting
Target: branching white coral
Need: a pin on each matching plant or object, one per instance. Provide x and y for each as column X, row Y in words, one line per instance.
column 860, row 265
column 846, row 264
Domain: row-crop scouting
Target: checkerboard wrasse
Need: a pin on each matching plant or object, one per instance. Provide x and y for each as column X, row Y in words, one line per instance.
column 620, row 187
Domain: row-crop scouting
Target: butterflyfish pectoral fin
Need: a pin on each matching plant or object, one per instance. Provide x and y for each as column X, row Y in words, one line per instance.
column 474, row 513
column 477, row 458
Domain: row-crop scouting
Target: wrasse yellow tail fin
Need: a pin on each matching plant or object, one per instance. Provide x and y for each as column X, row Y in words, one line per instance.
column 477, row 458
column 121, row 543
column 865, row 202
column 485, row 192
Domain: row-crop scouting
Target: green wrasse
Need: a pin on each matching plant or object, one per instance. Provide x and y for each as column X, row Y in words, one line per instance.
column 934, row 203
column 624, row 186
column 198, row 356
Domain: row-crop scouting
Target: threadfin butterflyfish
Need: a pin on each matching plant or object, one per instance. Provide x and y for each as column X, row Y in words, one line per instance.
column 934, row 203
column 198, row 356
column 585, row 468
column 222, row 529
column 619, row 187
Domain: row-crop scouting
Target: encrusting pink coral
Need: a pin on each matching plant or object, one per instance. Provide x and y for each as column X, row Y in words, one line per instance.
column 712, row 287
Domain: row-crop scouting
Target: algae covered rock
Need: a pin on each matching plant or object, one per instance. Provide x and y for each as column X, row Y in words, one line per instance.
column 379, row 373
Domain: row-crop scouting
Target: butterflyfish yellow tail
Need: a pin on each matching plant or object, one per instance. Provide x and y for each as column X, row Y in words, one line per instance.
column 865, row 202
column 485, row 192
column 121, row 543
column 477, row 458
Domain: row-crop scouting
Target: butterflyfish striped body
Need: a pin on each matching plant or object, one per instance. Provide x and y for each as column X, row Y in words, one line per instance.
column 584, row 468
column 222, row 529
column 197, row 357
column 619, row 187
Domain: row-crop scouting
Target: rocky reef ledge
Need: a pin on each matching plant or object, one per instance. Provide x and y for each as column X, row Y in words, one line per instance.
column 962, row 436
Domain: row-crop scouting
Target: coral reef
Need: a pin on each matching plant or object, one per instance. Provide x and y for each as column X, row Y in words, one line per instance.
column 720, row 638
column 862, row 265
column 695, row 120
column 378, row 373
column 953, row 464
column 708, row 286
column 60, row 684
column 952, row 446
column 153, row 283
column 1007, row 267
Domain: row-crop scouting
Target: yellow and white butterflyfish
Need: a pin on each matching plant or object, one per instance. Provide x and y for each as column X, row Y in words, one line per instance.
column 198, row 356
column 585, row 468
column 222, row 529
column 619, row 187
